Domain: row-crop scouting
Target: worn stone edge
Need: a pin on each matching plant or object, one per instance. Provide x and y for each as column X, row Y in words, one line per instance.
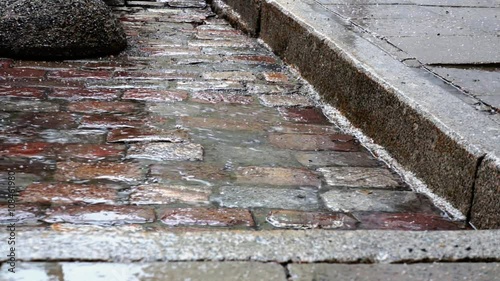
column 478, row 146
column 234, row 17
column 133, row 244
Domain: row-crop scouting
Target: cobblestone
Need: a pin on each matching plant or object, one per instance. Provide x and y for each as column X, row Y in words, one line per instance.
column 275, row 77
column 155, row 95
column 210, row 85
column 61, row 120
column 67, row 194
column 100, row 215
column 28, row 93
column 62, row 151
column 406, row 221
column 29, row 106
column 93, row 152
column 304, row 129
column 261, row 197
column 290, row 100
column 102, row 107
column 359, row 177
column 309, row 220
column 158, row 194
column 193, row 171
column 79, row 74
column 220, row 124
column 207, row 97
column 166, row 151
column 334, row 158
column 79, row 94
column 336, row 142
column 205, row 216
column 121, row 172
column 73, row 136
column 110, row 121
column 24, row 214
column 304, row 115
column 277, row 176
column 21, row 73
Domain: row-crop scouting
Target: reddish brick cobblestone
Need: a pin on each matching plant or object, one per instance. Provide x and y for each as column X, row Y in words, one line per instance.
column 196, row 122
column 79, row 94
column 277, row 176
column 335, row 142
column 100, row 214
column 30, row 93
column 79, row 74
column 21, row 73
column 307, row 220
column 157, row 194
column 205, row 216
column 67, row 194
column 204, row 97
column 102, row 107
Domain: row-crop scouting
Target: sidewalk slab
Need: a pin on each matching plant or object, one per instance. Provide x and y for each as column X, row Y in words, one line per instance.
column 383, row 272
column 194, row 271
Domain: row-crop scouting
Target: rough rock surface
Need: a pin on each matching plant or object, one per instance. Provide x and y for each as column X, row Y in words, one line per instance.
column 56, row 29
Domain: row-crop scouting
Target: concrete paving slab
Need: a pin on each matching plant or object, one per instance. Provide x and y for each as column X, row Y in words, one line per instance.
column 345, row 200
column 483, row 83
column 403, row 27
column 366, row 2
column 358, row 12
column 459, row 3
column 131, row 243
column 428, row 19
column 475, row 18
column 195, row 271
column 434, row 49
column 410, row 272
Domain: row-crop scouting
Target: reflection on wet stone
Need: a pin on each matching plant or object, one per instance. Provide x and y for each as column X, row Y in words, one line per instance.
column 156, row 194
column 68, row 194
column 262, row 197
column 277, row 176
column 100, row 215
column 120, row 172
column 309, row 220
column 140, row 135
column 166, row 151
column 207, row 217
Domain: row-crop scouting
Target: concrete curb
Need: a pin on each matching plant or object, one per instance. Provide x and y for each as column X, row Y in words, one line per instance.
column 131, row 243
column 422, row 125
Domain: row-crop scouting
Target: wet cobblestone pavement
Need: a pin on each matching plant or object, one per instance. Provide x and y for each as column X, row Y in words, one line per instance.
column 195, row 125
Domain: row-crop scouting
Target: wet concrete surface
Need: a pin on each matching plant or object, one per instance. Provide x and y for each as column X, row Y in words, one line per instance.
column 193, row 114
column 438, row 34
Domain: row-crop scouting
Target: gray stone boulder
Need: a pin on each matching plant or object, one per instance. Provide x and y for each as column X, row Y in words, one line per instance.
column 59, row 29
